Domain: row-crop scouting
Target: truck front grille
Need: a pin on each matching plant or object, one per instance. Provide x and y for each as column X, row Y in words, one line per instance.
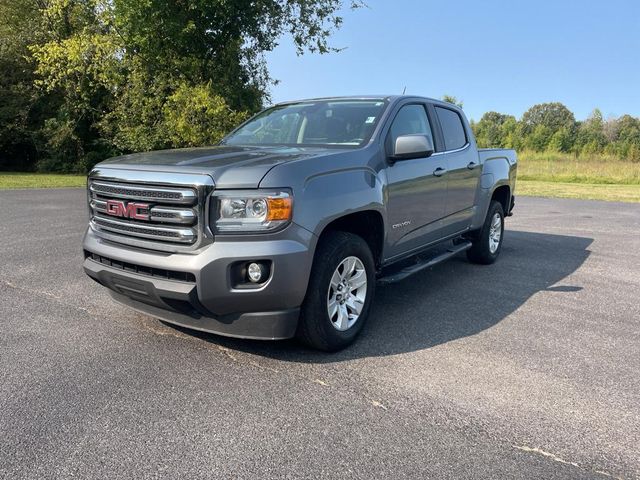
column 128, row 212
column 186, row 196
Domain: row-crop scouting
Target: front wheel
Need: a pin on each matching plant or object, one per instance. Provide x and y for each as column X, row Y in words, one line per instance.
column 340, row 292
column 486, row 245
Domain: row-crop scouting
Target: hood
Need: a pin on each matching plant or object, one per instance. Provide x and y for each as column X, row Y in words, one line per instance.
column 229, row 166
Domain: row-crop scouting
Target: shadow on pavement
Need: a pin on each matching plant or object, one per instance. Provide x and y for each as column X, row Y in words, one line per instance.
column 449, row 301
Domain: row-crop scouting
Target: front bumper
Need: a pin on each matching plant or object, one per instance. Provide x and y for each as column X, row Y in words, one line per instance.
column 207, row 301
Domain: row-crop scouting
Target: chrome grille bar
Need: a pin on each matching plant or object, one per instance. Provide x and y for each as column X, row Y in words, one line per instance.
column 136, row 229
column 182, row 216
column 181, row 196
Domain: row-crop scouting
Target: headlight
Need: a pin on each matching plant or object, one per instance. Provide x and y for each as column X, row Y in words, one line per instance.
column 250, row 211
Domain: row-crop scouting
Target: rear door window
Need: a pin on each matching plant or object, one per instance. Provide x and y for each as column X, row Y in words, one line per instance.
column 452, row 128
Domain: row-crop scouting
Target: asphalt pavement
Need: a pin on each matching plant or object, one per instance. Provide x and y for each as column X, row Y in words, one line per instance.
column 529, row 368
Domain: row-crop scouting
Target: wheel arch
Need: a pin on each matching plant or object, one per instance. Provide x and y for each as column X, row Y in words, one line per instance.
column 502, row 194
column 367, row 224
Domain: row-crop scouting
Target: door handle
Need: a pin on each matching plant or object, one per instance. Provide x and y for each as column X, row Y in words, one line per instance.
column 472, row 165
column 438, row 172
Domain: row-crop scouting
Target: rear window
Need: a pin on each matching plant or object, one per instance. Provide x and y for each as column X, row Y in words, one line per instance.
column 452, row 128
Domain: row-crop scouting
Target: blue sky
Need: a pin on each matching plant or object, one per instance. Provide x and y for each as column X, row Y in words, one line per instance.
column 494, row 55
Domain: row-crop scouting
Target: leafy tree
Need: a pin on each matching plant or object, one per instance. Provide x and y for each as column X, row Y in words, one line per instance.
column 591, row 136
column 224, row 41
column 99, row 76
column 79, row 65
column 512, row 133
column 633, row 152
column 19, row 100
column 561, row 141
column 628, row 129
column 539, row 139
column 552, row 116
column 624, row 139
column 452, row 99
column 197, row 116
column 17, row 150
column 490, row 131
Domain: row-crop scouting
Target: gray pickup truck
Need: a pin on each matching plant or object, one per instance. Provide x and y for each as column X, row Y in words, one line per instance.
column 284, row 229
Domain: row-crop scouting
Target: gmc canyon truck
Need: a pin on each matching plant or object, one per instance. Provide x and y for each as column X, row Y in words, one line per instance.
column 284, row 228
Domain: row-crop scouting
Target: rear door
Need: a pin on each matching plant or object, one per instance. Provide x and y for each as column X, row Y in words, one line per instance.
column 416, row 188
column 463, row 168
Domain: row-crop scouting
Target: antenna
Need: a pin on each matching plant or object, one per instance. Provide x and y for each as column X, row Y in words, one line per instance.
column 404, row 90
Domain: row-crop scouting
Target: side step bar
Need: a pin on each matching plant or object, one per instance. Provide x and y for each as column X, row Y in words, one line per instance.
column 424, row 263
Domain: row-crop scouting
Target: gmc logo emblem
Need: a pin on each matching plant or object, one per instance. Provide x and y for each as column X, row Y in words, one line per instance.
column 133, row 210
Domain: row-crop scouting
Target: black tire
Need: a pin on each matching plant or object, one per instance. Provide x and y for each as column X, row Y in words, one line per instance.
column 480, row 252
column 315, row 328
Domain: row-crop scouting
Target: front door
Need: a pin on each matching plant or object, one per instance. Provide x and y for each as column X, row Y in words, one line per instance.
column 416, row 188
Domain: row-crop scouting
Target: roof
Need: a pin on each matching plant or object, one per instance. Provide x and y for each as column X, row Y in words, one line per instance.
column 389, row 98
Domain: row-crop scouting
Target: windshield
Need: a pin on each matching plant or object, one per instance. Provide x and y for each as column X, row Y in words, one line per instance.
column 315, row 123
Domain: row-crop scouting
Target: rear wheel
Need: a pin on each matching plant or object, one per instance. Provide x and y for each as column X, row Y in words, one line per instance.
column 488, row 241
column 340, row 292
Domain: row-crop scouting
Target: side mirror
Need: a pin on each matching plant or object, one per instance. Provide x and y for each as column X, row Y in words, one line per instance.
column 412, row 146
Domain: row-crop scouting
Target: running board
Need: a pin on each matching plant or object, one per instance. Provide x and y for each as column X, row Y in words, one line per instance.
column 424, row 263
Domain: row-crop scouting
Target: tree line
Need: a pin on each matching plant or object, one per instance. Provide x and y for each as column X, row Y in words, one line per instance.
column 553, row 127
column 83, row 80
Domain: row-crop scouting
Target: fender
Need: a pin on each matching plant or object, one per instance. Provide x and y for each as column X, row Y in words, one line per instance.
column 496, row 172
column 325, row 196
column 337, row 185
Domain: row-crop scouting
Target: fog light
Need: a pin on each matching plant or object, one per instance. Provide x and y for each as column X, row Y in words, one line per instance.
column 255, row 272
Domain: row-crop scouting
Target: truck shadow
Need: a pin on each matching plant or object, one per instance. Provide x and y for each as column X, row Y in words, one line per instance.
column 449, row 301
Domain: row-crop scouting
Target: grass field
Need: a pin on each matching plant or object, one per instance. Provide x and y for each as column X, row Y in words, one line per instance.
column 594, row 177
column 584, row 191
column 40, row 180
column 566, row 168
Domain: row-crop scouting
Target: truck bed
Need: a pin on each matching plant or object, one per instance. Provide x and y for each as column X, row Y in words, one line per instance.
column 494, row 153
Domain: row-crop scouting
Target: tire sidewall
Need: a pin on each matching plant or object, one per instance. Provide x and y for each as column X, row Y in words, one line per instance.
column 314, row 314
column 495, row 208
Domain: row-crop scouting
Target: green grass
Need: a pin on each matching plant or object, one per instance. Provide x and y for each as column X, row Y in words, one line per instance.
column 9, row 180
column 588, row 177
column 584, row 191
column 567, row 168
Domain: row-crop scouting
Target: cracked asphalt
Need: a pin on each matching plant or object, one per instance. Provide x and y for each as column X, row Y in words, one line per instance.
column 529, row 368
